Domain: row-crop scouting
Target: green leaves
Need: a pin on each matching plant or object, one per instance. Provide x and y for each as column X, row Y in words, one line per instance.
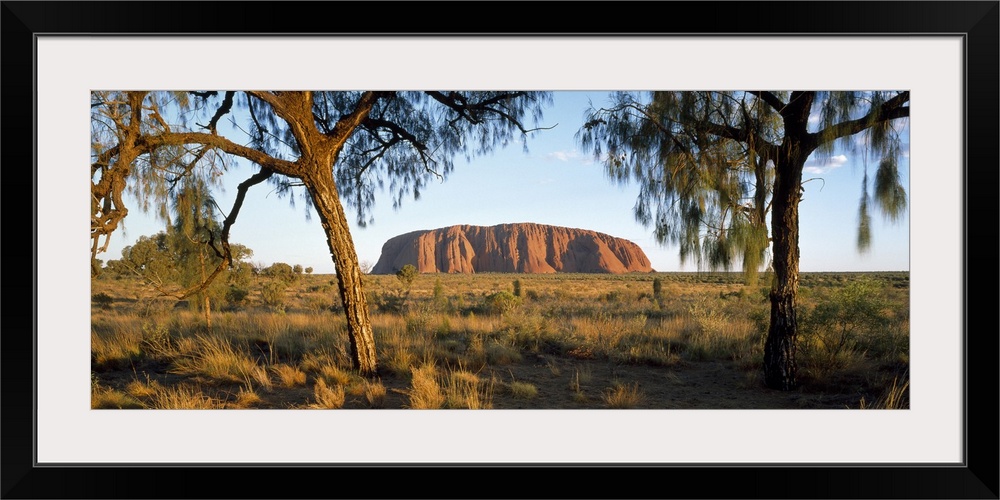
column 890, row 196
column 706, row 163
column 864, row 220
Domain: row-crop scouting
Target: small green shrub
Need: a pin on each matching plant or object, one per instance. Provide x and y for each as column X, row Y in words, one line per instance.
column 406, row 275
column 440, row 299
column 853, row 311
column 273, row 294
column 281, row 271
column 502, row 302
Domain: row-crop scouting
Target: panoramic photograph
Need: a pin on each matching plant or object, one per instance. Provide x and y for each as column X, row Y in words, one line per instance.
column 503, row 249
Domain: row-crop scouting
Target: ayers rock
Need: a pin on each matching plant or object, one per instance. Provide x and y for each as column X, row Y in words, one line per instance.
column 511, row 248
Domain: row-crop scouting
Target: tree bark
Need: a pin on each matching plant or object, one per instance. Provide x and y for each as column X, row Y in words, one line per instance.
column 779, row 348
column 207, row 301
column 326, row 200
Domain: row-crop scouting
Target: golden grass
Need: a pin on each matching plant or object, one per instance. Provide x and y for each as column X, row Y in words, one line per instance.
column 140, row 389
column 183, row 397
column 115, row 348
column 216, row 360
column 425, row 393
column 522, row 390
column 246, row 398
column 108, row 398
column 568, row 322
column 335, row 375
column 374, row 394
column 464, row 389
column 623, row 396
column 289, row 376
column 328, row 397
column 896, row 397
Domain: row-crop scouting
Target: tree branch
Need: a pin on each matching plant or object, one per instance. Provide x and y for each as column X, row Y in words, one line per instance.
column 226, row 254
column 889, row 110
column 769, row 98
column 227, row 105
column 284, row 167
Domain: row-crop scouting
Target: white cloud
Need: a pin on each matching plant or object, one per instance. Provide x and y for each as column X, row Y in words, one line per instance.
column 823, row 165
column 566, row 156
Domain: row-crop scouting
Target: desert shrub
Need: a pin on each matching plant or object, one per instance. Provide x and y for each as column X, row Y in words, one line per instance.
column 241, row 275
column 438, row 296
column 501, row 302
column 517, row 288
column 102, row 300
column 318, row 303
column 406, row 275
column 281, row 271
column 857, row 309
column 236, row 296
column 273, row 294
column 388, row 302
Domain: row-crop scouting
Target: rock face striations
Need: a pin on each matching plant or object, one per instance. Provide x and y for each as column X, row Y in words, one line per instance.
column 511, row 248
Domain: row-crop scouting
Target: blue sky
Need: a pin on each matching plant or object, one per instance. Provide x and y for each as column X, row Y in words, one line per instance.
column 554, row 183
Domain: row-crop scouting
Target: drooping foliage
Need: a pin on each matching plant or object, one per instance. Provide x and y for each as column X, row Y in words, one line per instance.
column 704, row 163
column 341, row 147
column 711, row 166
column 409, row 138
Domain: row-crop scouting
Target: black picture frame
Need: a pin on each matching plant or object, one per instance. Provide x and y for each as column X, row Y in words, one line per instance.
column 977, row 477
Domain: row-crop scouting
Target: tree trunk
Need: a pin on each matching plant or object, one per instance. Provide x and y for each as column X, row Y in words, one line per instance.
column 779, row 348
column 207, row 303
column 338, row 235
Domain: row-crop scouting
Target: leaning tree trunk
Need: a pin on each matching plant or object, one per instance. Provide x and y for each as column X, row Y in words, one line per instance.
column 338, row 235
column 779, row 348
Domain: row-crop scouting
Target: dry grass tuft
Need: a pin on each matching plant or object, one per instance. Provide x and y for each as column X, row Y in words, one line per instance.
column 247, row 398
column 115, row 349
column 374, row 393
column 465, row 390
column 623, row 396
column 107, row 398
column 289, row 376
column 183, row 398
column 140, row 389
column 217, row 360
column 897, row 397
column 328, row 397
column 335, row 375
column 522, row 390
column 425, row 392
